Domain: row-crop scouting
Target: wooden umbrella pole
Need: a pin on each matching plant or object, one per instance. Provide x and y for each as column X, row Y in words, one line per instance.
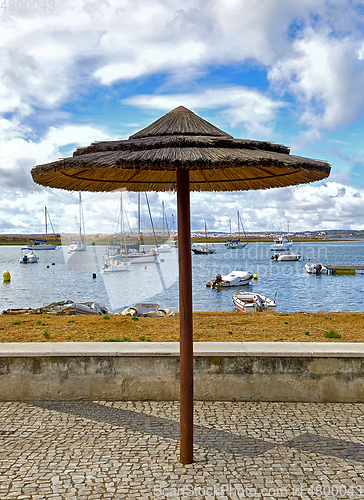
column 185, row 311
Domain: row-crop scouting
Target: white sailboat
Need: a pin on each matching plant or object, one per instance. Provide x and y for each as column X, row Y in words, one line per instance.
column 113, row 261
column 204, row 249
column 43, row 244
column 230, row 243
column 79, row 244
column 136, row 253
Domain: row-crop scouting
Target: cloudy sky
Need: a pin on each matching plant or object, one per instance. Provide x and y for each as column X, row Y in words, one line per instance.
column 291, row 72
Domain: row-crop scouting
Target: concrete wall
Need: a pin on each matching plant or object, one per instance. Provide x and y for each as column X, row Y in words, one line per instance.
column 150, row 371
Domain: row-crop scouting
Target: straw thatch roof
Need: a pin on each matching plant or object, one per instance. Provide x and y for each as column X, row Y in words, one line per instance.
column 148, row 160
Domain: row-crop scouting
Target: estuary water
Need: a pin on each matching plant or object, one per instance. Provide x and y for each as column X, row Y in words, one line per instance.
column 60, row 275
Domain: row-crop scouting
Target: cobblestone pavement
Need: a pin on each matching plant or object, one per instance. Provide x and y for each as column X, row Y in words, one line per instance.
column 129, row 450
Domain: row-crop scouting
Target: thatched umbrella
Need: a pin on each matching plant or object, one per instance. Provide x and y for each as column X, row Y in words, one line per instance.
column 181, row 152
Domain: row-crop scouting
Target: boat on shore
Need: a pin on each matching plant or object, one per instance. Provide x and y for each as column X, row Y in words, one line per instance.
column 235, row 278
column 250, row 301
column 28, row 257
column 289, row 256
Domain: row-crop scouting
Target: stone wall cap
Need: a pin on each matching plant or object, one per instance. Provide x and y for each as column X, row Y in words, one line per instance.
column 277, row 349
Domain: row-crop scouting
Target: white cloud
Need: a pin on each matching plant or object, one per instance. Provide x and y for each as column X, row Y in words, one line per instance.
column 326, row 76
column 241, row 106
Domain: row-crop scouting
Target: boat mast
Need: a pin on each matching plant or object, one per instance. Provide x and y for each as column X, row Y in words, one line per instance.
column 138, row 222
column 79, row 214
column 45, row 217
column 238, row 225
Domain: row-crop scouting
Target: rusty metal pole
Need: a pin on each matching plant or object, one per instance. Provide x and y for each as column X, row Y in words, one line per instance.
column 185, row 311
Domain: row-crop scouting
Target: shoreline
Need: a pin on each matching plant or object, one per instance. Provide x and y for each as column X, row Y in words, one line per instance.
column 230, row 326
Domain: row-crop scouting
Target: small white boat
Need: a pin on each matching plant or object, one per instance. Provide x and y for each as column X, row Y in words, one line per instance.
column 77, row 246
column 147, row 310
column 142, row 257
column 114, row 265
column 28, row 257
column 281, row 243
column 316, row 268
column 289, row 256
column 235, row 278
column 250, row 301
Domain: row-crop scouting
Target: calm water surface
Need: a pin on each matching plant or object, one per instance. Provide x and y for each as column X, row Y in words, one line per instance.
column 34, row 285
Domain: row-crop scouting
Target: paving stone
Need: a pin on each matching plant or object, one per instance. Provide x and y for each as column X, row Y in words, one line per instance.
column 126, row 450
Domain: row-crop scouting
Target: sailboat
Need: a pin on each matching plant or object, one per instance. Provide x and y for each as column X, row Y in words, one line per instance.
column 136, row 253
column 113, row 259
column 43, row 244
column 236, row 243
column 198, row 248
column 79, row 245
column 165, row 246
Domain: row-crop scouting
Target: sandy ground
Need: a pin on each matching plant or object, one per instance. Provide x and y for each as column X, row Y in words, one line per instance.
column 233, row 326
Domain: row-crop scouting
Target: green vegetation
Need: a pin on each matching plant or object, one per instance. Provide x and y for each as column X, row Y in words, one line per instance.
column 106, row 317
column 307, row 333
column 71, row 321
column 46, row 334
column 332, row 335
column 16, row 323
column 143, row 338
column 135, row 318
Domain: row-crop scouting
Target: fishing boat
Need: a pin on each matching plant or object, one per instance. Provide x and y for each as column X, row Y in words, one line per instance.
column 236, row 243
column 114, row 261
column 316, row 268
column 28, row 257
column 203, row 248
column 79, row 244
column 43, row 244
column 289, row 256
column 235, row 278
column 281, row 243
column 250, row 301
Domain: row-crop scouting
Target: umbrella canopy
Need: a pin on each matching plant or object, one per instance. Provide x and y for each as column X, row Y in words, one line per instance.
column 181, row 152
column 149, row 159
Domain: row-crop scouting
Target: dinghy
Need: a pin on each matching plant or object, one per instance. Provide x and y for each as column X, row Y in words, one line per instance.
column 235, row 278
column 250, row 301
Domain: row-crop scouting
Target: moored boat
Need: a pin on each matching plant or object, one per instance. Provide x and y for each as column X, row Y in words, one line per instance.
column 203, row 248
column 281, row 243
column 315, row 268
column 235, row 278
column 289, row 256
column 231, row 243
column 43, row 244
column 28, row 257
column 250, row 301
column 79, row 244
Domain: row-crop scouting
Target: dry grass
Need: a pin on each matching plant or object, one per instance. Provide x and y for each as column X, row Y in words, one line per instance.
column 208, row 327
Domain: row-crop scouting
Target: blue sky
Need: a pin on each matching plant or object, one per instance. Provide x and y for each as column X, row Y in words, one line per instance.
column 276, row 70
